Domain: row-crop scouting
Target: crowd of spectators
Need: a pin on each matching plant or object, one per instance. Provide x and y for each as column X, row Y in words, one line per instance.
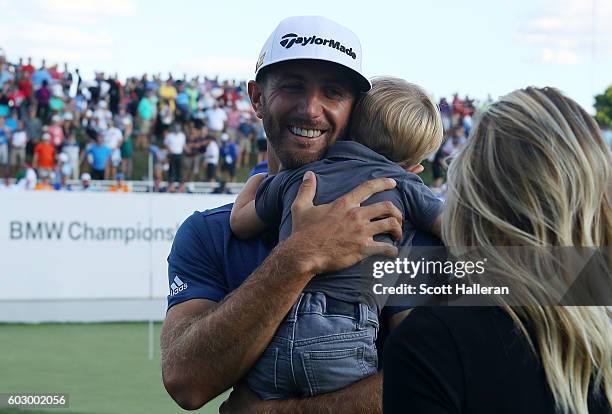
column 56, row 126
column 457, row 119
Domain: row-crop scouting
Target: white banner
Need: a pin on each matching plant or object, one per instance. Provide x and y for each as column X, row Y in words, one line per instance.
column 71, row 246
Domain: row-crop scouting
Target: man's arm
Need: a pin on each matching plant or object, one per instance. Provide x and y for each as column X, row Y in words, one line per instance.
column 207, row 348
column 364, row 396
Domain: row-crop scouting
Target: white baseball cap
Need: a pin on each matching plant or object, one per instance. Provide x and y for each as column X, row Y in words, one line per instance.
column 313, row 37
column 85, row 177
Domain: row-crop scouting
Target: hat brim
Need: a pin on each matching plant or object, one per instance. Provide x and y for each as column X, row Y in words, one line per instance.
column 362, row 83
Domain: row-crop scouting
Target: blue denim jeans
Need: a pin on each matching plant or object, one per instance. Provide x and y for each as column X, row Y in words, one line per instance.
column 323, row 345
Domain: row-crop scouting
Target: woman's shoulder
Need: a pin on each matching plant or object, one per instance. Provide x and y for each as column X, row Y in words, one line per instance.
column 464, row 326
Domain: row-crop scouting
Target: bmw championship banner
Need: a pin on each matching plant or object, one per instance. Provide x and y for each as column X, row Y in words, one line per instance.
column 83, row 246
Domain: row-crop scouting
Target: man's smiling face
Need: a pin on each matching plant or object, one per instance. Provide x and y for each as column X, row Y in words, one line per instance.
column 305, row 106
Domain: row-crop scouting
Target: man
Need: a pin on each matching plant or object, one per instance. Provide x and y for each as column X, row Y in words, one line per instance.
column 57, row 132
column 5, row 73
column 211, row 159
column 146, row 115
column 19, row 140
column 167, row 94
column 99, row 156
column 245, row 136
column 216, row 118
column 193, row 154
column 44, row 155
column 44, row 184
column 229, row 155
column 175, row 142
column 113, row 138
column 220, row 318
column 72, row 150
column 5, row 135
column 43, row 97
column 120, row 186
column 86, row 183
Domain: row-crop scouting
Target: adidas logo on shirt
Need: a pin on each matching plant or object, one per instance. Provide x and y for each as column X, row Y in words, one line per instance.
column 177, row 286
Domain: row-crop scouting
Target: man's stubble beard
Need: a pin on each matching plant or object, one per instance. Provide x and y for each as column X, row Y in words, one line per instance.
column 288, row 159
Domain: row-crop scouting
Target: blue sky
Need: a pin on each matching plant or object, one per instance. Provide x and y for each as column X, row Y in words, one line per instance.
column 475, row 48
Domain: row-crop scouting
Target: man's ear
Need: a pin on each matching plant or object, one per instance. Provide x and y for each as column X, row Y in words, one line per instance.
column 255, row 91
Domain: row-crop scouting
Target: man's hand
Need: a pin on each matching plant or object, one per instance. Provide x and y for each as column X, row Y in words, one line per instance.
column 241, row 401
column 337, row 235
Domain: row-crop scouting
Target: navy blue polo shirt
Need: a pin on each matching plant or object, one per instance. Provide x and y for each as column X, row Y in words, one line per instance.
column 207, row 262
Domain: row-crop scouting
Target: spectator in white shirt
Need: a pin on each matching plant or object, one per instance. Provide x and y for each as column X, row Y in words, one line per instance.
column 19, row 141
column 71, row 148
column 175, row 142
column 211, row 157
column 217, row 120
column 113, row 137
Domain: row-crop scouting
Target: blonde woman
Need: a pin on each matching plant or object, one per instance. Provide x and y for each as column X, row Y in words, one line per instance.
column 535, row 173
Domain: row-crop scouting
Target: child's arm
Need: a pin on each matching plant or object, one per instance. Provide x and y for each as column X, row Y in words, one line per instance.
column 424, row 207
column 244, row 221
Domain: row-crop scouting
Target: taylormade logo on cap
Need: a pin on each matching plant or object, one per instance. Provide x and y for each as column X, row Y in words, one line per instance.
column 317, row 38
column 291, row 38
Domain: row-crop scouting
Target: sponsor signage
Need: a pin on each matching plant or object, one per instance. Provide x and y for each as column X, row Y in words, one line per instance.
column 56, row 245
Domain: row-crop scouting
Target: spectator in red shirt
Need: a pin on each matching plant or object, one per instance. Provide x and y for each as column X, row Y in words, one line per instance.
column 25, row 84
column 16, row 97
column 29, row 68
column 458, row 107
column 55, row 74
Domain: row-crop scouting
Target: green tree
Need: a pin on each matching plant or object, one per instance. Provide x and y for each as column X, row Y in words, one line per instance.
column 603, row 106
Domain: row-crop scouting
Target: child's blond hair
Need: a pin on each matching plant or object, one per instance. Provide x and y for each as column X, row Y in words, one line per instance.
column 398, row 120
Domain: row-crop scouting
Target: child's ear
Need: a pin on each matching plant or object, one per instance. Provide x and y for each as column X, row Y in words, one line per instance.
column 417, row 169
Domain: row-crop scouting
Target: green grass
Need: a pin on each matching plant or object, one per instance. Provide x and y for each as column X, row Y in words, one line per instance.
column 103, row 367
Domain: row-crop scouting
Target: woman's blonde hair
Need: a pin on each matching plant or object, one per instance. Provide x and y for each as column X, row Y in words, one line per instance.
column 398, row 120
column 537, row 173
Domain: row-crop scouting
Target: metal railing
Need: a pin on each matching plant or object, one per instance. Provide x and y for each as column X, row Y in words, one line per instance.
column 195, row 187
